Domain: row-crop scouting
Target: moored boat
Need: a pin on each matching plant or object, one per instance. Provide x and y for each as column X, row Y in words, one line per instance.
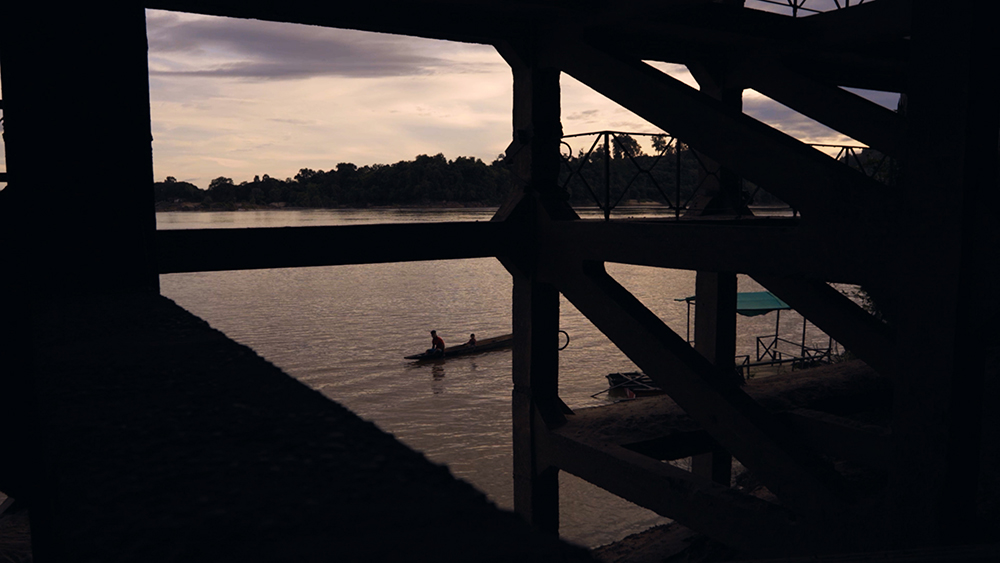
column 631, row 384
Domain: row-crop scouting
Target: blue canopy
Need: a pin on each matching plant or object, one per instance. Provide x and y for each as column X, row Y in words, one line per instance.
column 753, row 303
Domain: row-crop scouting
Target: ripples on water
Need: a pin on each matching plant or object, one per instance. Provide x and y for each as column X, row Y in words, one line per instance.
column 344, row 330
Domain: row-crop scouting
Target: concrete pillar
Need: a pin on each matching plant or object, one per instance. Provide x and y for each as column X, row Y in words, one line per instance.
column 721, row 188
column 535, row 400
column 715, row 338
column 534, row 159
column 77, row 214
column 715, row 309
column 77, row 132
column 944, row 254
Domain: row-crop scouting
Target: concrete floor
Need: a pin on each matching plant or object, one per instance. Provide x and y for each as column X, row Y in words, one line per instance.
column 162, row 440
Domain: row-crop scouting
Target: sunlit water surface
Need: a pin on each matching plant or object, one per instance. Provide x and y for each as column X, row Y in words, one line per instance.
column 344, row 330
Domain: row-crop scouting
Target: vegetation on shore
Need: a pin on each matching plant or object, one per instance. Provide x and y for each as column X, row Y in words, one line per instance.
column 426, row 180
column 672, row 175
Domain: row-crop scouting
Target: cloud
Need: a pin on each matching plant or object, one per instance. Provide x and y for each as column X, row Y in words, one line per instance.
column 239, row 97
column 790, row 122
column 201, row 46
column 587, row 116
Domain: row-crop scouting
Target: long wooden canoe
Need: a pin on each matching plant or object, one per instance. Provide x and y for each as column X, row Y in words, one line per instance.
column 483, row 345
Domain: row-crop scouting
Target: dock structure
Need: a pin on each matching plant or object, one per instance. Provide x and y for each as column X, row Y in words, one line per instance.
column 920, row 475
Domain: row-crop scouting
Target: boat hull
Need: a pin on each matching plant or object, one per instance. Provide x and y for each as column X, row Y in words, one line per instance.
column 484, row 345
column 633, row 384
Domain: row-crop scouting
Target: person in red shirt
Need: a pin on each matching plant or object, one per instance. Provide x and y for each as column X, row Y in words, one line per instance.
column 437, row 344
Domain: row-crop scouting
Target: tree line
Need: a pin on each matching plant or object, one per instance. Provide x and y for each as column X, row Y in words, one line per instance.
column 672, row 175
column 426, row 180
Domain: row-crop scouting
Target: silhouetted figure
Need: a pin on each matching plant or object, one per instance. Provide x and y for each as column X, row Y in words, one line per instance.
column 437, row 344
column 472, row 340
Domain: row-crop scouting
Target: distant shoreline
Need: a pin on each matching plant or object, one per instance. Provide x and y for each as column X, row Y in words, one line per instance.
column 187, row 207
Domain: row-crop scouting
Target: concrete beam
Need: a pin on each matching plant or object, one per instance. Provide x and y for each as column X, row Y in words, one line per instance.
column 212, row 250
column 471, row 22
column 843, row 200
column 733, row 419
column 763, row 245
column 842, row 438
column 839, row 109
column 867, row 24
column 863, row 47
column 677, row 445
column 736, row 519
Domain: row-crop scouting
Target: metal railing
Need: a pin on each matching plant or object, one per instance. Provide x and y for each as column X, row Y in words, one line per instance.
column 769, row 350
column 616, row 161
column 796, row 6
column 870, row 162
column 612, row 167
column 769, row 354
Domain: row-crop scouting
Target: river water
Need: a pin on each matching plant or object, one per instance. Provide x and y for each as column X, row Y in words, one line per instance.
column 344, row 330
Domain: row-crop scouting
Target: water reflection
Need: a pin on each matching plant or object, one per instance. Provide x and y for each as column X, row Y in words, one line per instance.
column 437, row 370
column 437, row 380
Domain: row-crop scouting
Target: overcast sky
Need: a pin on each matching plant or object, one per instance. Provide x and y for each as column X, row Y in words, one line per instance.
column 239, row 98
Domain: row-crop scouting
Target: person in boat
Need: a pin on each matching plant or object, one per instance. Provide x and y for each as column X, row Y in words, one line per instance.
column 437, row 344
column 472, row 340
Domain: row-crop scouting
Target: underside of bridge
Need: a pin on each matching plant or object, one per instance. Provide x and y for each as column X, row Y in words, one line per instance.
column 924, row 246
